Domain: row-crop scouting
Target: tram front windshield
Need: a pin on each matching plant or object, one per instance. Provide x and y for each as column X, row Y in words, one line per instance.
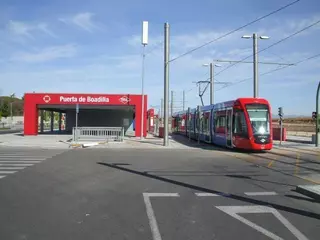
column 259, row 118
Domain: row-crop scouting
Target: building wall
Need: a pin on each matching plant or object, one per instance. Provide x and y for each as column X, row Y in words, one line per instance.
column 101, row 118
column 33, row 101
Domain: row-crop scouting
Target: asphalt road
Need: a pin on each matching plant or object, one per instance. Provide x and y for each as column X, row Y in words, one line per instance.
column 152, row 194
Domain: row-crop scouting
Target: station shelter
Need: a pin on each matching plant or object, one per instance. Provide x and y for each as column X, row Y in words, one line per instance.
column 93, row 110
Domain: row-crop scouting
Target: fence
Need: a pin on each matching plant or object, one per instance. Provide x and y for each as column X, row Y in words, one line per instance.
column 98, row 134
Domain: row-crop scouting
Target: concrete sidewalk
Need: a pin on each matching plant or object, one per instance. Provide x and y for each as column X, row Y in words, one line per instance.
column 42, row 141
column 65, row 141
column 152, row 142
column 300, row 139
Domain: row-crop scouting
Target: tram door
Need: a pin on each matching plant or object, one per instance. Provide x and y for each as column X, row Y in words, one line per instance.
column 229, row 127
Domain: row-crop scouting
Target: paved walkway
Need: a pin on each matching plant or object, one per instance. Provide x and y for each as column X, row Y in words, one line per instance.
column 150, row 142
column 42, row 141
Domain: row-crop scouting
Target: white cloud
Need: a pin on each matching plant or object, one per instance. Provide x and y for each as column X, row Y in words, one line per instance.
column 18, row 28
column 44, row 27
column 46, row 54
column 82, row 20
column 298, row 24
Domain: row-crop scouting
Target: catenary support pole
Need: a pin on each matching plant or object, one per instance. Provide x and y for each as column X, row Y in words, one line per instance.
column 255, row 65
column 166, row 84
column 171, row 106
column 188, row 125
column 198, row 127
column 318, row 116
column 161, row 111
column 211, row 84
column 183, row 100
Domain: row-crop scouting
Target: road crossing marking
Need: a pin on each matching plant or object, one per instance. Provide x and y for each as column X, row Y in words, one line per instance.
column 16, row 164
column 13, row 168
column 13, row 161
column 204, row 194
column 2, row 176
column 22, row 157
column 234, row 211
column 7, row 172
column 207, row 195
column 151, row 216
column 20, row 161
column 260, row 193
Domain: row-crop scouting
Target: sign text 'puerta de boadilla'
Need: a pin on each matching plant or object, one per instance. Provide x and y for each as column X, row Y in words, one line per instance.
column 86, row 99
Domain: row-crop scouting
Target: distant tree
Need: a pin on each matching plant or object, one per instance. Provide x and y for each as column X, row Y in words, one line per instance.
column 13, row 95
column 56, row 116
column 5, row 109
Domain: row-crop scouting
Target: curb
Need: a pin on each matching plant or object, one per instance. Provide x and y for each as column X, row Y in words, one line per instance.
column 299, row 141
column 309, row 190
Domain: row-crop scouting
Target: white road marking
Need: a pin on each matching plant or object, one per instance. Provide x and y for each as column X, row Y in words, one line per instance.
column 16, row 164
column 234, row 211
column 2, row 176
column 260, row 193
column 23, row 157
column 19, row 161
column 11, row 168
column 161, row 194
column 151, row 216
column 207, row 195
column 7, row 172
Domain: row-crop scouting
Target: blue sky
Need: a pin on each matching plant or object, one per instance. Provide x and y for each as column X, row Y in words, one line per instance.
column 94, row 47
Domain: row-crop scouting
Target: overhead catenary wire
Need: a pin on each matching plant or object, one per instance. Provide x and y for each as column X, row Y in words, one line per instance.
column 272, row 45
column 233, row 31
column 271, row 71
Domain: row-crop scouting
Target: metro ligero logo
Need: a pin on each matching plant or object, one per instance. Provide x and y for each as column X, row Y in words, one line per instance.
column 124, row 99
column 46, row 98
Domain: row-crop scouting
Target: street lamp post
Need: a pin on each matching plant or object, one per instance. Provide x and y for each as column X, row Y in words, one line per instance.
column 255, row 60
column 144, row 42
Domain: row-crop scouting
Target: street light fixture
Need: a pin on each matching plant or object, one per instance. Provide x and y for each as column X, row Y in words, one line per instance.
column 255, row 60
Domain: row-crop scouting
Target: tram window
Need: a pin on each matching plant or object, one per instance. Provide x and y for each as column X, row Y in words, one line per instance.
column 205, row 124
column 239, row 124
column 220, row 122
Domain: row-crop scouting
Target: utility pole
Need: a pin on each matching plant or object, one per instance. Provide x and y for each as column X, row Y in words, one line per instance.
column 144, row 42
column 183, row 100
column 166, row 83
column 211, row 84
column 318, row 116
column 255, row 65
column 255, row 61
column 161, row 110
column 171, row 103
